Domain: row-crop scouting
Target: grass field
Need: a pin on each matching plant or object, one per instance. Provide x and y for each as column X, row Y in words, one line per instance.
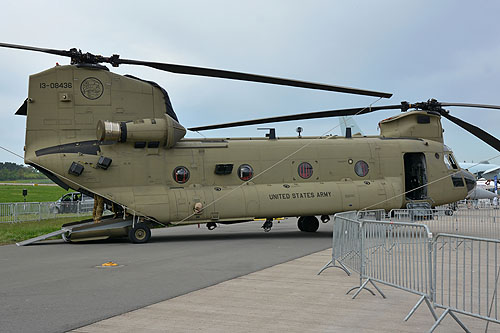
column 14, row 193
column 15, row 232
column 34, row 181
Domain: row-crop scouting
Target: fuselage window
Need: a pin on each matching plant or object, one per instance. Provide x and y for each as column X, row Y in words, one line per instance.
column 361, row 168
column 245, row 172
column 181, row 174
column 305, row 170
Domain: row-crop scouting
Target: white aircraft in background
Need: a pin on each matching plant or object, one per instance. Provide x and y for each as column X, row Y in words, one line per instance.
column 483, row 170
column 485, row 173
column 485, row 187
column 346, row 122
column 482, row 191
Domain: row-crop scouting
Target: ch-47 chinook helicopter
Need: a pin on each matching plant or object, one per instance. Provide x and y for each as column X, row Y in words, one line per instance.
column 118, row 138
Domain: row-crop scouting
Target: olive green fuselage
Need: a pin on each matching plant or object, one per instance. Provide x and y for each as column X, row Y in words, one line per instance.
column 66, row 103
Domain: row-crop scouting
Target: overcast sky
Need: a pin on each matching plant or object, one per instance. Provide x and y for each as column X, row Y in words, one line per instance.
column 448, row 50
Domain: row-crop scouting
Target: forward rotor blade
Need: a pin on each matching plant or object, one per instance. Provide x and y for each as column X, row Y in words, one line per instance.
column 300, row 116
column 468, row 105
column 218, row 73
column 474, row 130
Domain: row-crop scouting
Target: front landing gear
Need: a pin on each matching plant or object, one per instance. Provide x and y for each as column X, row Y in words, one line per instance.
column 267, row 226
column 308, row 223
column 140, row 233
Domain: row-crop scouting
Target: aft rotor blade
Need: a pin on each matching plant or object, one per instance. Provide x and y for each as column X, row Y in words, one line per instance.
column 300, row 116
column 78, row 57
column 37, row 49
column 474, row 130
column 218, row 73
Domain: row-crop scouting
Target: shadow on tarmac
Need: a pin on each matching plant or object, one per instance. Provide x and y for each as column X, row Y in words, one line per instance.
column 208, row 236
column 241, row 236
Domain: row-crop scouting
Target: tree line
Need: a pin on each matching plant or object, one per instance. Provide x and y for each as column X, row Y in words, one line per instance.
column 13, row 171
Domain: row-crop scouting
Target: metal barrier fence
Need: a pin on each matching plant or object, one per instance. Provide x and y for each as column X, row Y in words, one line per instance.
column 36, row 211
column 387, row 250
column 466, row 272
column 346, row 246
column 457, row 273
column 480, row 222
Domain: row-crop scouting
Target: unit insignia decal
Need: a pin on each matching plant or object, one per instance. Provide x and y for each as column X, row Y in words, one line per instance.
column 92, row 88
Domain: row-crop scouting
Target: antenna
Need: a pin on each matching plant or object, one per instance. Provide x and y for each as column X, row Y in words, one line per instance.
column 272, row 132
column 299, row 130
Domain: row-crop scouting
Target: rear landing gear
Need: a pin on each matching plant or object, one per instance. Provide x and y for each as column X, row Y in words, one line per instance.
column 308, row 223
column 140, row 233
column 211, row 225
column 268, row 225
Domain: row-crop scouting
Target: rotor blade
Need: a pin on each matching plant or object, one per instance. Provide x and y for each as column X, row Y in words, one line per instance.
column 468, row 105
column 210, row 72
column 299, row 116
column 474, row 130
column 37, row 49
column 78, row 57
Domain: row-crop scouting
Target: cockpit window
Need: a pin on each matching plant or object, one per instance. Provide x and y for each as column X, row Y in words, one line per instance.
column 449, row 161
column 453, row 163
column 446, row 161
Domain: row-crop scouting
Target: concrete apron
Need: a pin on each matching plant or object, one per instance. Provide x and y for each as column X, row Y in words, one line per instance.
column 286, row 297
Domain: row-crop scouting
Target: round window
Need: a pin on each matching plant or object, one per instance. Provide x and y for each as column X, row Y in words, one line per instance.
column 181, row 174
column 245, row 172
column 305, row 170
column 361, row 168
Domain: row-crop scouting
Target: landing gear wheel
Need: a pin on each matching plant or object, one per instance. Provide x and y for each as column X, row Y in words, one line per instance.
column 139, row 234
column 300, row 223
column 268, row 225
column 308, row 223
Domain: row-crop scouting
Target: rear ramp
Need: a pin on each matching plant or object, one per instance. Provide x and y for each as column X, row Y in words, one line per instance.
column 42, row 237
column 87, row 230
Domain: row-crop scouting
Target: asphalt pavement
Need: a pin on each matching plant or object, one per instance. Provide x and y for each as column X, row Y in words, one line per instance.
column 288, row 297
column 55, row 287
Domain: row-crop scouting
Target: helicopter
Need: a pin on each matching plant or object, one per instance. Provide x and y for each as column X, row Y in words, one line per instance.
column 117, row 138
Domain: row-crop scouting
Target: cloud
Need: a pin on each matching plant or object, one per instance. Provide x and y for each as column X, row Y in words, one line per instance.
column 417, row 50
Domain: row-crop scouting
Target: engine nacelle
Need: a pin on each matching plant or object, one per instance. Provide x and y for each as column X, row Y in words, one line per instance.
column 158, row 131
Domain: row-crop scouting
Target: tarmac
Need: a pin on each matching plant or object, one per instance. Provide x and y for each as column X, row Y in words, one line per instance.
column 287, row 297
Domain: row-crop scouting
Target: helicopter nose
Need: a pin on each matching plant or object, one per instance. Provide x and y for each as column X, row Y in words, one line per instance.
column 470, row 180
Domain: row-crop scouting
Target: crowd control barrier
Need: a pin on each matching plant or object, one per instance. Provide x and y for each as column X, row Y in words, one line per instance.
column 395, row 254
column 466, row 276
column 456, row 273
column 476, row 222
column 36, row 211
